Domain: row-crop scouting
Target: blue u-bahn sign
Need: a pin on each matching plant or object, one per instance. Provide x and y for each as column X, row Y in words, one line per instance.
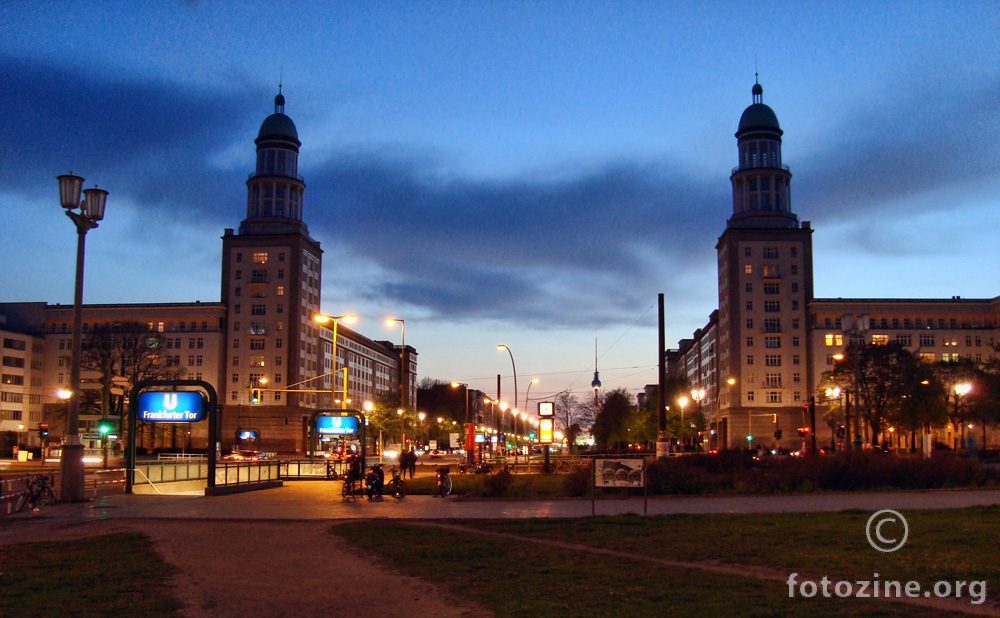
column 327, row 425
column 170, row 407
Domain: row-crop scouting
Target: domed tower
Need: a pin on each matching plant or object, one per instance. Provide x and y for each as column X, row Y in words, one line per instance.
column 275, row 188
column 765, row 285
column 271, row 277
column 761, row 182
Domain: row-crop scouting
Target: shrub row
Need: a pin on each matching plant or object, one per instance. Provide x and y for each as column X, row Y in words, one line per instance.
column 740, row 472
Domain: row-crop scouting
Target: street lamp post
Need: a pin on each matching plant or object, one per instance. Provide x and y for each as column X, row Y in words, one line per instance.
column 682, row 402
column 961, row 390
column 404, row 392
column 347, row 318
column 504, row 347
column 717, row 424
column 466, row 440
column 91, row 211
column 421, row 416
column 402, row 430
column 697, row 394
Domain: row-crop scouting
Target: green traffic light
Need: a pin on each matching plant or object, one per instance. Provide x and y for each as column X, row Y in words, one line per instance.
column 749, row 437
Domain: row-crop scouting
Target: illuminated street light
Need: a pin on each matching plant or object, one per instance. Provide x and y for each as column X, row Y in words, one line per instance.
column 347, row 318
column 91, row 211
column 404, row 391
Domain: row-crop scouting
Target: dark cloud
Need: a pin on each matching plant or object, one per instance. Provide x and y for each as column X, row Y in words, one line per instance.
column 148, row 139
column 927, row 137
column 495, row 249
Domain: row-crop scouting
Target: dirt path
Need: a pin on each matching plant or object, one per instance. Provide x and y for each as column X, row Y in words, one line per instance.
column 266, row 568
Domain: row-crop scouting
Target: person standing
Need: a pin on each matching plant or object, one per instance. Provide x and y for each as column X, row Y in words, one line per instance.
column 411, row 462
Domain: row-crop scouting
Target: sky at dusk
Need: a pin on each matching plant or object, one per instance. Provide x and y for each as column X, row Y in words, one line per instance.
column 527, row 173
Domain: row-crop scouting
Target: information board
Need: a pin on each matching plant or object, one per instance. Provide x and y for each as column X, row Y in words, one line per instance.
column 170, row 407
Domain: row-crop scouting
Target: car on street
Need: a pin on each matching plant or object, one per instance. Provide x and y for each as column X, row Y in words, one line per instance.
column 436, row 454
column 245, row 456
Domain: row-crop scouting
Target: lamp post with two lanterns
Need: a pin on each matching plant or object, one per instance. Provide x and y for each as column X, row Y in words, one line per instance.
column 91, row 211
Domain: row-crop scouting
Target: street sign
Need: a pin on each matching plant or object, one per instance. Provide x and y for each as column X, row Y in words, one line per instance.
column 170, row 407
column 328, row 425
column 545, row 430
column 546, row 408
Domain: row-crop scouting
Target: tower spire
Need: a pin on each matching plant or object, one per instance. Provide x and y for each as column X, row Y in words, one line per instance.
column 596, row 383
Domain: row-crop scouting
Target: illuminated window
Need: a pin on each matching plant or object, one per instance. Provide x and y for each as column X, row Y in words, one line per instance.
column 880, row 339
column 260, row 257
column 748, row 269
column 281, row 290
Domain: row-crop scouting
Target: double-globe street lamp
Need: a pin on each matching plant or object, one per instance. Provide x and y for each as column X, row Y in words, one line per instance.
column 91, row 211
column 697, row 394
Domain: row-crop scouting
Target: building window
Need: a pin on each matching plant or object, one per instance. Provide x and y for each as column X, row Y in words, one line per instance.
column 926, row 340
column 797, row 396
column 772, row 360
column 904, row 340
column 795, row 287
column 772, row 306
column 236, row 378
column 793, row 251
column 236, row 308
column 748, row 269
column 772, row 380
column 749, row 288
column 880, row 339
column 749, row 342
column 277, row 343
column 749, row 305
column 749, row 359
column 795, row 359
column 833, row 340
column 772, row 341
column 770, row 253
column 795, row 323
column 258, row 309
column 772, row 325
column 277, row 378
column 795, row 305
column 749, row 395
column 236, row 343
column 749, row 322
column 772, row 288
column 747, row 252
column 277, row 361
column 773, row 396
column 796, row 377
column 260, row 257
column 257, row 343
column 281, row 290
column 795, row 342
column 236, row 361
column 795, row 269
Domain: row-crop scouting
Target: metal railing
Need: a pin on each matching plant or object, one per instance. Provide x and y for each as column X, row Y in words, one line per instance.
column 246, row 472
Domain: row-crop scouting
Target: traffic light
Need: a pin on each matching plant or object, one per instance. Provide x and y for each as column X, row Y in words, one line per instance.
column 104, row 427
column 254, row 396
column 43, row 430
column 803, row 432
column 777, row 434
column 841, row 432
column 749, row 437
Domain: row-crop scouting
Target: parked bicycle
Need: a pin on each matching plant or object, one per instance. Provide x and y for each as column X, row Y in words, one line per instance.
column 396, row 487
column 39, row 492
column 444, row 484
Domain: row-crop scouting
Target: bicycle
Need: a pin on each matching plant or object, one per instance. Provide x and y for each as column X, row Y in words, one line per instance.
column 397, row 486
column 39, row 492
column 444, row 484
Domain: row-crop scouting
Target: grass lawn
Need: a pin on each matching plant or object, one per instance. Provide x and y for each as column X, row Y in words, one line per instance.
column 113, row 575
column 507, row 576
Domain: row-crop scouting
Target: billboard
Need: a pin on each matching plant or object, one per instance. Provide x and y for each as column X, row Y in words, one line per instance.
column 545, row 430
